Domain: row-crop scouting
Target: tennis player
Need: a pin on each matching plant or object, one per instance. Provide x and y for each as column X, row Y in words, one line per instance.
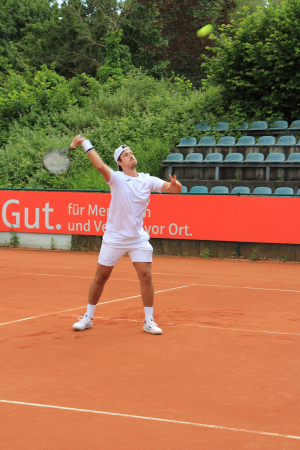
column 130, row 196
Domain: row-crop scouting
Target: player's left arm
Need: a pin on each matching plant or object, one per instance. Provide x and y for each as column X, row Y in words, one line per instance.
column 172, row 187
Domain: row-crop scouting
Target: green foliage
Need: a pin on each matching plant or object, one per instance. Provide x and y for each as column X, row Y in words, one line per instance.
column 206, row 253
column 249, row 6
column 46, row 112
column 112, row 66
column 178, row 22
column 254, row 256
column 74, row 36
column 27, row 100
column 158, row 36
column 148, row 114
column 141, row 31
column 14, row 240
column 15, row 16
column 256, row 62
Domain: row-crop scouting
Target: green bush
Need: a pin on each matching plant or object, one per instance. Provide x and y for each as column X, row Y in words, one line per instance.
column 149, row 115
column 256, row 62
column 25, row 101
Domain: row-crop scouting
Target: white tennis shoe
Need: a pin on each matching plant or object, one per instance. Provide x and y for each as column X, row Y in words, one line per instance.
column 151, row 327
column 83, row 323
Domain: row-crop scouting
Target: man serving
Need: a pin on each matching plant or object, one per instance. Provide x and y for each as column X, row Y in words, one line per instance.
column 130, row 196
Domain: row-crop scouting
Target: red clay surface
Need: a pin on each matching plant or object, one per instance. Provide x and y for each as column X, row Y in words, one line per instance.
column 227, row 362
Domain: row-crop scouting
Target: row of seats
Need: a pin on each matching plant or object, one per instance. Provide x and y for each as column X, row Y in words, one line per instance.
column 244, row 141
column 263, row 190
column 278, row 125
column 233, row 158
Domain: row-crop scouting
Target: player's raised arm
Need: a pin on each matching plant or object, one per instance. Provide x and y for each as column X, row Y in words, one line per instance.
column 93, row 155
column 174, row 187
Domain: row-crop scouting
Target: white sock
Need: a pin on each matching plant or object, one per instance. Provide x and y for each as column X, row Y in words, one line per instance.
column 90, row 310
column 148, row 312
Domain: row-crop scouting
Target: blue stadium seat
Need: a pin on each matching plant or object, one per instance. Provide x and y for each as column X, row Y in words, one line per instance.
column 187, row 142
column 202, row 127
column 184, row 190
column 194, row 157
column 234, row 158
column 219, row 190
column 275, row 158
column 294, row 158
column 241, row 190
column 284, row 191
column 254, row 158
column 207, row 141
column 265, row 141
column 174, row 157
column 259, row 126
column 295, row 125
column 199, row 190
column 214, row 157
column 241, row 126
column 221, row 126
column 286, row 140
column 226, row 141
column 246, row 141
column 263, row 190
column 279, row 125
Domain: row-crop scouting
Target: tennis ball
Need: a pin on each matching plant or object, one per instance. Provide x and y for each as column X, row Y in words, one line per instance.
column 204, row 30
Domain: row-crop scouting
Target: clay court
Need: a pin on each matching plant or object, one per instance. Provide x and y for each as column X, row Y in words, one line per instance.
column 224, row 374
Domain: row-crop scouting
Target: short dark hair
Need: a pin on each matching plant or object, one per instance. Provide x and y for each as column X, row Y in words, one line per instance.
column 119, row 159
column 120, row 167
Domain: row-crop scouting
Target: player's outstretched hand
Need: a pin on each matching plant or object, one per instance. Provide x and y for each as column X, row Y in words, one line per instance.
column 78, row 140
column 174, row 184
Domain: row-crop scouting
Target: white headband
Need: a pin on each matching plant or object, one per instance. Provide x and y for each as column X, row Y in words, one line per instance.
column 119, row 152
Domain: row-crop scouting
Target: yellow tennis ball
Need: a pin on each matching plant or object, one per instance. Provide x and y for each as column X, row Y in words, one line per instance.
column 204, row 30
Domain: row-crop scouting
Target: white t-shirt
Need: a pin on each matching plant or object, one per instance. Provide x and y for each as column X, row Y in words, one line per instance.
column 130, row 197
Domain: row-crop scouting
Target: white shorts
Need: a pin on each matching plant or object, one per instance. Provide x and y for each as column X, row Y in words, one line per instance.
column 111, row 254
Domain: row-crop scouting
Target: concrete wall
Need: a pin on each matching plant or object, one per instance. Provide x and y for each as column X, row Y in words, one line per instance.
column 215, row 249
column 221, row 249
column 172, row 247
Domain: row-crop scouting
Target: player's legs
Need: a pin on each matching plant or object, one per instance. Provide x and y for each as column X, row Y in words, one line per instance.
column 108, row 258
column 143, row 270
column 142, row 260
column 98, row 283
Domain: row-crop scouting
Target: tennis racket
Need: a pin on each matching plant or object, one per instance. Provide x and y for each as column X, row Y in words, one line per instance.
column 59, row 161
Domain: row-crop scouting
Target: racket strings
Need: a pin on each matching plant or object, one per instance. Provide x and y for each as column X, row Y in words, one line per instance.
column 57, row 161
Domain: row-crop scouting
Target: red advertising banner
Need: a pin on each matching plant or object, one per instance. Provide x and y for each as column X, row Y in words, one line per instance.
column 201, row 217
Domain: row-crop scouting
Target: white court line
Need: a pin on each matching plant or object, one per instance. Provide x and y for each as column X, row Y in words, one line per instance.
column 244, row 287
column 205, row 326
column 193, row 284
column 156, row 419
column 78, row 276
column 46, row 274
column 218, row 277
column 153, row 273
column 79, row 307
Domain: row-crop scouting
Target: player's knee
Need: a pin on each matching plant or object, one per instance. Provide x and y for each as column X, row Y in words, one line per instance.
column 100, row 278
column 146, row 277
